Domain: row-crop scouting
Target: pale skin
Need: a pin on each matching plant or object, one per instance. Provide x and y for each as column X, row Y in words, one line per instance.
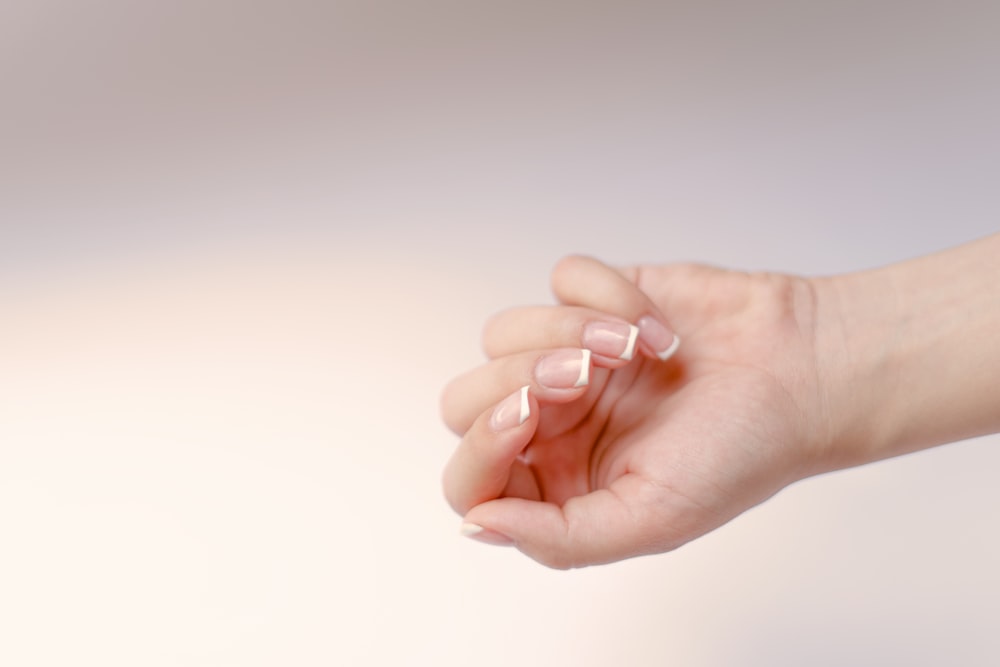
column 615, row 452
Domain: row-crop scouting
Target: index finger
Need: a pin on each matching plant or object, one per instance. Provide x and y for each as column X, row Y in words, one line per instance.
column 584, row 281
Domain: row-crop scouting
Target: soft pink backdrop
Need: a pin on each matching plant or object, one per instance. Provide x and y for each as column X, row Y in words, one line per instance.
column 243, row 245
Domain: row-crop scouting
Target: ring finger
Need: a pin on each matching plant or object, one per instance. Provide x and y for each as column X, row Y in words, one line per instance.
column 553, row 376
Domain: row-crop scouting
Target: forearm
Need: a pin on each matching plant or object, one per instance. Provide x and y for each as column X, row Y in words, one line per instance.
column 911, row 353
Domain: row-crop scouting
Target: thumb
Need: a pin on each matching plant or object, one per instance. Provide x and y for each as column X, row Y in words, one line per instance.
column 599, row 527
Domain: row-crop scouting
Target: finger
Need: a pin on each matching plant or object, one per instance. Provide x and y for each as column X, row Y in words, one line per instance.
column 599, row 527
column 611, row 339
column 585, row 281
column 553, row 376
column 481, row 466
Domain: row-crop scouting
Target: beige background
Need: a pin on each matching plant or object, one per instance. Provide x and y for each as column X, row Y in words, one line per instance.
column 243, row 245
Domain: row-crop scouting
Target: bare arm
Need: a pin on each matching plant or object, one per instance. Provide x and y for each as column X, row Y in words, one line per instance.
column 911, row 353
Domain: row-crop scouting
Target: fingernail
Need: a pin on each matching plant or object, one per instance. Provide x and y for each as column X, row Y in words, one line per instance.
column 477, row 532
column 658, row 337
column 611, row 339
column 566, row 369
column 512, row 411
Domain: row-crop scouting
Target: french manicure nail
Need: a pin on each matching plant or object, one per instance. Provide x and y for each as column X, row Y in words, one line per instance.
column 565, row 369
column 611, row 339
column 658, row 337
column 477, row 532
column 669, row 352
column 512, row 411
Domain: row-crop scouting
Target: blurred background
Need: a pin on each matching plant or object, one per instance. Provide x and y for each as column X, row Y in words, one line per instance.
column 243, row 245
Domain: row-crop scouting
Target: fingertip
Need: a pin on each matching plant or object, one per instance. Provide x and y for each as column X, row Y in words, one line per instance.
column 658, row 340
column 476, row 532
column 512, row 411
column 612, row 341
column 671, row 349
column 564, row 374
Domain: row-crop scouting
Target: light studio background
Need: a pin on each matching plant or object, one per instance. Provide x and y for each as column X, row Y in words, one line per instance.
column 243, row 245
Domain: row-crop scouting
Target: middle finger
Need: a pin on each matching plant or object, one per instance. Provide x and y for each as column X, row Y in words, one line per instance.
column 611, row 339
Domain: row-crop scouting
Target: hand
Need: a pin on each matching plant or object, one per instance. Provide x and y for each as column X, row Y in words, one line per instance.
column 604, row 458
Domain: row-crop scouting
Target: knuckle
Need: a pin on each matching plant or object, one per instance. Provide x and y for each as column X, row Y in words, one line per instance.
column 566, row 267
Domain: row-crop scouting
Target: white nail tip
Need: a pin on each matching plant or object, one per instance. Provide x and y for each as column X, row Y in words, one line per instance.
column 584, row 378
column 525, row 405
column 669, row 352
column 470, row 529
column 633, row 336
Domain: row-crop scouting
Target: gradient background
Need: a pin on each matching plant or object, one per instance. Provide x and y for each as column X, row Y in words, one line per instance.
column 244, row 244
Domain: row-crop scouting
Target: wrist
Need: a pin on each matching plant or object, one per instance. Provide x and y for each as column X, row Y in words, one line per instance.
column 857, row 356
column 907, row 354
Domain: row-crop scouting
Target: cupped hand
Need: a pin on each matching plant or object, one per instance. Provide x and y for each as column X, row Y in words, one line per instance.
column 584, row 441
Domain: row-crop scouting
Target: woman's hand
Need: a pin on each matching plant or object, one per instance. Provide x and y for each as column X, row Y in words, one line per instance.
column 604, row 456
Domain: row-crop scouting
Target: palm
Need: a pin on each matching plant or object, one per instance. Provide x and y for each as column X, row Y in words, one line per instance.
column 705, row 436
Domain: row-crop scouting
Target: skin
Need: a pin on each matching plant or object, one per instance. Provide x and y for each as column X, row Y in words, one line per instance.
column 778, row 378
